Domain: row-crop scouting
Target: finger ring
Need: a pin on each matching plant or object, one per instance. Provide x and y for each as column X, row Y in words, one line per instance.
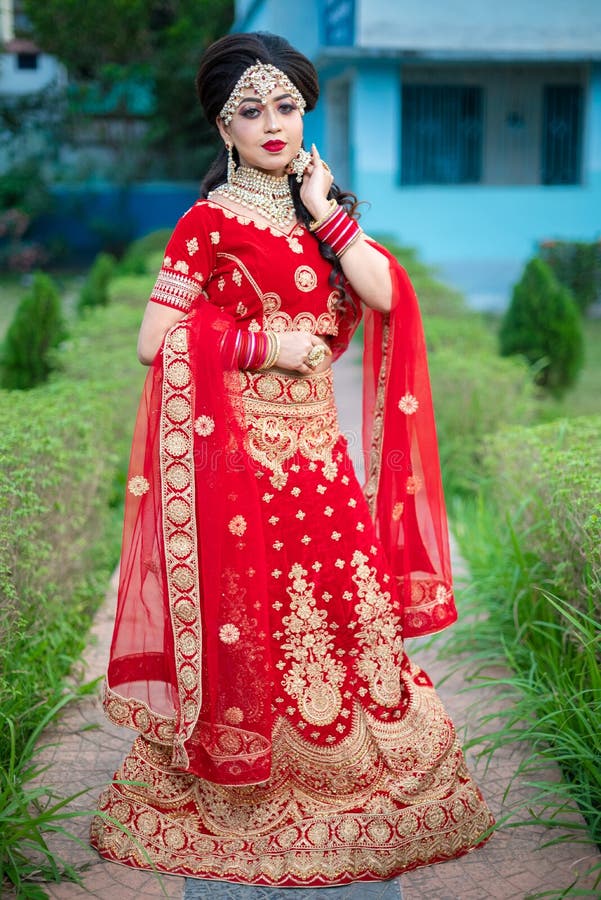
column 316, row 355
column 326, row 166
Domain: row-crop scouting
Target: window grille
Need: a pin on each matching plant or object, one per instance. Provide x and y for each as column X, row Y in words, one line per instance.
column 562, row 133
column 441, row 134
column 27, row 60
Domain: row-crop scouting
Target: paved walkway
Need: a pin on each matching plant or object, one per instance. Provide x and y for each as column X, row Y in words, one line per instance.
column 85, row 749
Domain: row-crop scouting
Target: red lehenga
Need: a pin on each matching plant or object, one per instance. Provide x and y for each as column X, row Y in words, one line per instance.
column 284, row 736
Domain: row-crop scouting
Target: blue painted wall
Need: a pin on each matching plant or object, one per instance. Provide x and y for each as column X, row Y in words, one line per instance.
column 479, row 235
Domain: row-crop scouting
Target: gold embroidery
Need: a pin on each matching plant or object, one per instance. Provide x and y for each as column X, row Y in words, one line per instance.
column 237, row 525
column 375, row 451
column 288, row 415
column 192, row 246
column 229, row 633
column 314, row 677
column 182, row 266
column 386, row 797
column 204, row 426
column 408, row 404
column 138, row 485
column 175, row 289
column 378, row 631
column 305, row 278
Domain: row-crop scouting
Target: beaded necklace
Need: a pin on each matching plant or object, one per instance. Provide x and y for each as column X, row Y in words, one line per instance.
column 269, row 195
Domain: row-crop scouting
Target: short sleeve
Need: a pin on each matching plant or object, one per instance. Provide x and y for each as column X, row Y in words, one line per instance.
column 188, row 263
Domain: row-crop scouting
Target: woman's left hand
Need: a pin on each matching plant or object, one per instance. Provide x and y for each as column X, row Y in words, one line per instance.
column 316, row 185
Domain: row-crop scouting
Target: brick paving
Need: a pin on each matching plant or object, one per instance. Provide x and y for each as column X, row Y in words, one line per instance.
column 83, row 750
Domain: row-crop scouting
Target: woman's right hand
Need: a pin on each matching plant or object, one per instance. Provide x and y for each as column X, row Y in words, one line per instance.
column 294, row 349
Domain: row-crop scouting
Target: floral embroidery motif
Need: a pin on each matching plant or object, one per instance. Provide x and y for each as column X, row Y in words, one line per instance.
column 408, row 404
column 305, row 278
column 192, row 246
column 278, row 320
column 237, row 276
column 138, row 485
column 397, row 511
column 204, row 426
column 215, row 237
column 314, row 677
column 182, row 266
column 237, row 525
column 378, row 631
column 414, row 484
column 233, row 715
column 241, row 309
column 229, row 634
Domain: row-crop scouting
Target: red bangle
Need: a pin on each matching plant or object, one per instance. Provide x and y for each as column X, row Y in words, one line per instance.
column 244, row 349
column 339, row 231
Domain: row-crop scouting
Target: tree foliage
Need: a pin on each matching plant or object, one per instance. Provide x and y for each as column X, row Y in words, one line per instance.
column 543, row 324
column 105, row 41
column 35, row 331
column 95, row 288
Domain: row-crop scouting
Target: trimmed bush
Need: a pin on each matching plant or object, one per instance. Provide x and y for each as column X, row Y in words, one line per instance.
column 142, row 254
column 552, row 475
column 95, row 289
column 64, row 449
column 576, row 265
column 33, row 335
column 475, row 394
column 542, row 324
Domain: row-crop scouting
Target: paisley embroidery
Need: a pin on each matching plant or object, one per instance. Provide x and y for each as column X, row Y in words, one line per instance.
column 378, row 631
column 314, row 677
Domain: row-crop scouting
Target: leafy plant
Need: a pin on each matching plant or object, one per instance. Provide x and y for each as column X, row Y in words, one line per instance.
column 576, row 265
column 36, row 330
column 95, row 289
column 542, row 324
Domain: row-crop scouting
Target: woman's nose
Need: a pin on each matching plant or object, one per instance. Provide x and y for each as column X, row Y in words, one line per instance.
column 271, row 120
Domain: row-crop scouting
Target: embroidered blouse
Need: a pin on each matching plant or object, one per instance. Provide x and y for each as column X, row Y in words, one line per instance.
column 279, row 282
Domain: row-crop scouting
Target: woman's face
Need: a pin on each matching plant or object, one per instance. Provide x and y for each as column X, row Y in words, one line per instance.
column 267, row 136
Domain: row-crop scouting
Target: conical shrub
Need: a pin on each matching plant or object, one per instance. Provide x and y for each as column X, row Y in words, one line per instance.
column 543, row 324
column 95, row 289
column 36, row 330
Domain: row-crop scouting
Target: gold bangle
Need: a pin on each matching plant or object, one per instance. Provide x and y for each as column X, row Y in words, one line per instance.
column 273, row 350
column 317, row 223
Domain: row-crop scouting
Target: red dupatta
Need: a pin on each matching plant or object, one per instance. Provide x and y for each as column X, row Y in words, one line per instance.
column 190, row 666
column 403, row 482
column 192, row 616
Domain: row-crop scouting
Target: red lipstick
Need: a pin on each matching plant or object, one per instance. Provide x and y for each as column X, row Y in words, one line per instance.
column 273, row 146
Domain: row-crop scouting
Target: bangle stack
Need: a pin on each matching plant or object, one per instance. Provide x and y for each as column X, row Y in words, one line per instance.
column 273, row 349
column 249, row 349
column 336, row 228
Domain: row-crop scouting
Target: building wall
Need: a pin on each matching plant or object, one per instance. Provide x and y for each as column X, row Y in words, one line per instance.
column 18, row 82
column 514, row 26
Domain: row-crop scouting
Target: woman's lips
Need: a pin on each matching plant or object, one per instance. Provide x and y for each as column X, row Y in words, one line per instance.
column 274, row 146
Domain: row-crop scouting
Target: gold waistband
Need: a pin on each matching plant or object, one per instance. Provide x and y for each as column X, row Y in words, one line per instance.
column 285, row 390
column 287, row 417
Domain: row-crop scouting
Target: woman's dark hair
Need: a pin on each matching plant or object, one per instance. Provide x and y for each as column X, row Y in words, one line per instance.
column 220, row 68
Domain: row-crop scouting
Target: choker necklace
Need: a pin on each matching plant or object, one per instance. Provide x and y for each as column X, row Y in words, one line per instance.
column 269, row 195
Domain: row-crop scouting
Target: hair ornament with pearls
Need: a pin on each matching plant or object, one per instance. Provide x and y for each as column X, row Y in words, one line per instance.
column 263, row 79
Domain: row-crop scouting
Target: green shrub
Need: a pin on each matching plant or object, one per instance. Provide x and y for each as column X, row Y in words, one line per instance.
column 465, row 334
column 137, row 259
column 32, row 337
column 95, row 289
column 435, row 297
column 133, row 290
column 542, row 324
column 63, row 447
column 533, row 545
column 576, row 265
column 552, row 474
column 475, row 393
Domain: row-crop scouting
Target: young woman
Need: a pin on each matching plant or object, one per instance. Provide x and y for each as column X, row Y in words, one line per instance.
column 284, row 736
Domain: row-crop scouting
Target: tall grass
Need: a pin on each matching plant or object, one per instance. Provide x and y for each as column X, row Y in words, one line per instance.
column 551, row 684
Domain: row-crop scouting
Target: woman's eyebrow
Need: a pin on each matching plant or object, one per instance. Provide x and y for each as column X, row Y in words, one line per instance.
column 258, row 99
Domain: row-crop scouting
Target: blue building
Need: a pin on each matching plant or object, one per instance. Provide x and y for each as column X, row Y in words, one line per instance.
column 473, row 128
